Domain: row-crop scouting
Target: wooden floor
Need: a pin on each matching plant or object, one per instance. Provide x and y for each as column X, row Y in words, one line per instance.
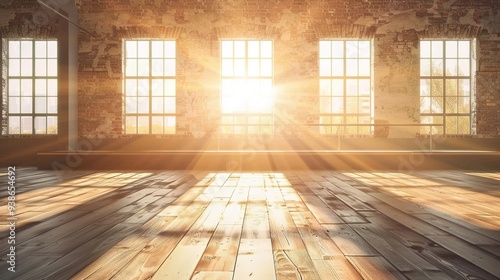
column 290, row 225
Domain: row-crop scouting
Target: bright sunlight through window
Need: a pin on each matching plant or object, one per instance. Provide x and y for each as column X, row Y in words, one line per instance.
column 247, row 86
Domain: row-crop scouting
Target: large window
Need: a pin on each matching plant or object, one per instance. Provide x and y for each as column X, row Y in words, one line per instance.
column 247, row 86
column 149, row 86
column 31, row 81
column 345, row 86
column 445, row 86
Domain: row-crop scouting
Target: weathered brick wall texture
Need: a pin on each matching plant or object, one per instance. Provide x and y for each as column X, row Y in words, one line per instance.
column 295, row 26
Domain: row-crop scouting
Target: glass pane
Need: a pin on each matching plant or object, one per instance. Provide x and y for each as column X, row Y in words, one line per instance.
column 437, row 105
column 325, row 87
column 364, row 49
column 464, row 87
column 131, row 49
column 464, row 67
column 266, row 67
column 131, row 67
column 463, row 125
column 157, row 67
column 40, row 105
column 337, row 105
column 143, row 49
column 337, row 67
column 451, row 67
column 26, row 67
column 325, row 49
column 351, row 67
column 436, row 87
column 52, row 49
column 157, row 87
column 451, row 87
column 351, row 49
column 170, row 67
column 239, row 67
column 425, row 105
column 325, row 105
column 253, row 130
column 253, row 49
column 130, row 87
column 26, row 49
column 14, row 87
column 227, row 49
column 40, row 49
column 26, row 125
column 239, row 129
column 131, row 105
column 143, row 87
column 253, row 67
column 325, row 120
column 40, row 125
column 464, row 49
column 364, row 105
column 169, row 105
column 52, row 105
column 14, row 49
column 14, row 125
column 170, row 51
column 157, row 105
column 364, row 67
column 451, row 49
column 464, row 105
column 239, row 49
column 143, row 67
column 131, row 125
column 41, row 87
column 51, row 67
column 266, row 49
column 451, row 125
column 425, row 49
column 324, row 67
column 143, row 125
column 351, row 87
column 451, row 105
column 337, row 87
column 338, row 49
column 351, row 105
column 437, row 67
column 26, row 87
column 227, row 120
column 143, row 105
column 157, row 125
column 227, row 130
column 14, row 67
column 437, row 49
column 169, row 87
column 266, row 86
column 425, row 87
column 227, row 67
column 52, row 87
column 156, row 49
column 51, row 125
column 425, row 67
column 364, row 87
column 14, row 105
column 40, row 67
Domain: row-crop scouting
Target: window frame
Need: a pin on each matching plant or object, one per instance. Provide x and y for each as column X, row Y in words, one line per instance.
column 264, row 125
column 441, row 127
column 167, row 117
column 50, row 116
column 344, row 127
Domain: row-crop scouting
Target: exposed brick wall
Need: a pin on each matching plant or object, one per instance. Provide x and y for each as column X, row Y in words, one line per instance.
column 295, row 26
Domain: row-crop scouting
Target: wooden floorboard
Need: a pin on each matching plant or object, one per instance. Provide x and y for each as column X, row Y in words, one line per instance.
column 264, row 225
